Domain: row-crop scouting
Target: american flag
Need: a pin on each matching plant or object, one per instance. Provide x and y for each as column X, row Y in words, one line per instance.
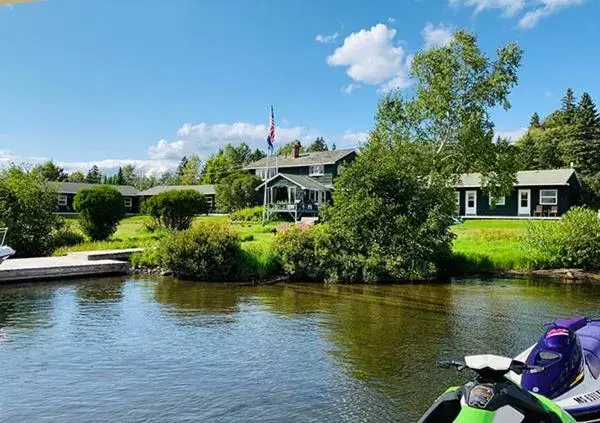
column 271, row 136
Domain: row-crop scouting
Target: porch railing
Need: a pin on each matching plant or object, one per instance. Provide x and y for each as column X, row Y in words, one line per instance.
column 299, row 206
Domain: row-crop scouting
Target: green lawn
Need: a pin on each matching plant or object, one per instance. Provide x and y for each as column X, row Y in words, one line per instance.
column 479, row 245
column 492, row 244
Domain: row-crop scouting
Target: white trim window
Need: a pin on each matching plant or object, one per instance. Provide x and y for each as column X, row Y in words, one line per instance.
column 316, row 170
column 209, row 201
column 63, row 200
column 500, row 201
column 128, row 202
column 457, row 201
column 265, row 174
column 548, row 197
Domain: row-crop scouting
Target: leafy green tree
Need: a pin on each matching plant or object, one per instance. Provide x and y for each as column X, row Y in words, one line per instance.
column 100, row 210
column 535, row 121
column 216, row 168
column 129, row 175
column 568, row 107
column 318, row 145
column 238, row 156
column 28, row 208
column 51, row 172
column 236, row 191
column 76, row 176
column 286, row 149
column 175, row 209
column 93, row 176
column 256, row 155
column 191, row 171
column 168, row 178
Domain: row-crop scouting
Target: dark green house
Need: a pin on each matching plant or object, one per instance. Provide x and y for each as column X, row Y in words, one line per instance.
column 207, row 190
column 300, row 183
column 67, row 190
column 536, row 193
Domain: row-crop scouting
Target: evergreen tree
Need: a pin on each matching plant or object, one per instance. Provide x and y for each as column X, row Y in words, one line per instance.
column 568, row 107
column 587, row 121
column 318, row 145
column 181, row 166
column 51, row 172
column 129, row 174
column 256, row 155
column 333, row 146
column 93, row 176
column 535, row 121
column 119, row 179
column 191, row 171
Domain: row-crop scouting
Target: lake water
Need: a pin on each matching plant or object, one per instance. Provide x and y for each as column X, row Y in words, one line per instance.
column 119, row 350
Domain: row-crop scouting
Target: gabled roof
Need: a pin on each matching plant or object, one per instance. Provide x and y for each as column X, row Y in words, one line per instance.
column 547, row 177
column 75, row 187
column 302, row 181
column 202, row 189
column 305, row 159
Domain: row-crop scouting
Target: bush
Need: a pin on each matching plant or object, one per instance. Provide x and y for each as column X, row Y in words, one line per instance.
column 100, row 210
column 148, row 258
column 573, row 242
column 175, row 209
column 28, row 206
column 257, row 262
column 66, row 237
column 248, row 238
column 236, row 191
column 252, row 215
column 208, row 252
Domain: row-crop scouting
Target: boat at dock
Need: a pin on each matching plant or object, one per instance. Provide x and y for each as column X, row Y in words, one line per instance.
column 5, row 250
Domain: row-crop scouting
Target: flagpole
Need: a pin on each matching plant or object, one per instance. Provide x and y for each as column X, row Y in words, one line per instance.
column 264, row 222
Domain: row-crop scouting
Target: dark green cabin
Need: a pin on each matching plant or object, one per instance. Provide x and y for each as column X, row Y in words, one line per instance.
column 536, row 193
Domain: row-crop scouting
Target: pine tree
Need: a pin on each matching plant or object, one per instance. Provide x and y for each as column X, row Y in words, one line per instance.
column 568, row 107
column 333, row 146
column 93, row 176
column 318, row 145
column 535, row 121
column 120, row 180
column 585, row 147
column 182, row 165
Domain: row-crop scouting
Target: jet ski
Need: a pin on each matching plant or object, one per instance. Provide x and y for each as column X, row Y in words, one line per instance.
column 491, row 397
column 5, row 250
column 569, row 354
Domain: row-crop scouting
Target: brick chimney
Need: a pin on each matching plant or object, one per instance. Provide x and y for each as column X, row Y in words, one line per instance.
column 296, row 150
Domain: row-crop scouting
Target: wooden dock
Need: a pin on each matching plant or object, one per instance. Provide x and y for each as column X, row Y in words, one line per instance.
column 84, row 264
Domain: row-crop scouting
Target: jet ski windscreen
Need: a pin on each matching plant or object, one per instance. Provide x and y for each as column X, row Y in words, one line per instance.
column 559, row 353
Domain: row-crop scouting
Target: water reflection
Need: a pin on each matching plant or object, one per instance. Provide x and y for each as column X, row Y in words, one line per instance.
column 101, row 350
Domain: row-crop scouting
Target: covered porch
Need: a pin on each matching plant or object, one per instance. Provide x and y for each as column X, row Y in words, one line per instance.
column 296, row 195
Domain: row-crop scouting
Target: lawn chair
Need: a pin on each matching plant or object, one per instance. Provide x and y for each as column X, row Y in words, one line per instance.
column 553, row 211
column 539, row 210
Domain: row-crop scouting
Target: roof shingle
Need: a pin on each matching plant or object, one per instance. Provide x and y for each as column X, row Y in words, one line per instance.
column 525, row 178
column 305, row 159
column 202, row 189
column 75, row 187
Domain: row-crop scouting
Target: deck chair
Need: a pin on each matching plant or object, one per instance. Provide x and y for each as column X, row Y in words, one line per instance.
column 539, row 210
column 553, row 211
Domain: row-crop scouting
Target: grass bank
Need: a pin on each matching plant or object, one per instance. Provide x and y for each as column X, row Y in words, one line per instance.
column 480, row 245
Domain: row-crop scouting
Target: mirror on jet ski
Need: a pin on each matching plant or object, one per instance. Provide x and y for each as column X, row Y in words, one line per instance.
column 491, row 366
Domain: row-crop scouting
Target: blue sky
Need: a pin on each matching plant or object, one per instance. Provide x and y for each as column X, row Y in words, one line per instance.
column 146, row 81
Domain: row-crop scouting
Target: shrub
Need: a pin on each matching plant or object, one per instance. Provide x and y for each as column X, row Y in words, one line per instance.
column 66, row 237
column 236, row 191
column 573, row 242
column 175, row 209
column 248, row 238
column 148, row 258
column 28, row 206
column 208, row 251
column 252, row 215
column 257, row 262
column 100, row 210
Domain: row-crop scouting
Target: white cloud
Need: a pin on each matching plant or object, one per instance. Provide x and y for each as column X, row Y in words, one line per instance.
column 549, row 7
column 348, row 89
column 204, row 139
column 353, row 139
column 391, row 20
column 372, row 57
column 534, row 9
column 512, row 135
column 326, row 39
column 436, row 36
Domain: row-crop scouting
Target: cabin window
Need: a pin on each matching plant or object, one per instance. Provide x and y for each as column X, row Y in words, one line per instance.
column 209, row 201
column 549, row 197
column 128, row 202
column 500, row 201
column 62, row 200
column 316, row 170
column 457, row 201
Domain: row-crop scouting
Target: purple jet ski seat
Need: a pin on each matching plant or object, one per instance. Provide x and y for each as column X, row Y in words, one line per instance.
column 572, row 323
column 589, row 336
